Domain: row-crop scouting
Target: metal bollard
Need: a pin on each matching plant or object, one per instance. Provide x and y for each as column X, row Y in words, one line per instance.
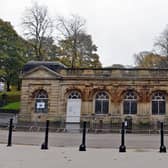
column 10, row 133
column 82, row 147
column 44, row 145
column 122, row 147
column 162, row 146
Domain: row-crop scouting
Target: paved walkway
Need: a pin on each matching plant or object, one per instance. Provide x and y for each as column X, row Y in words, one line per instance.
column 111, row 141
column 21, row 156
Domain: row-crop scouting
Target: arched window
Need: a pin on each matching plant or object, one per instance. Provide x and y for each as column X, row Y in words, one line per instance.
column 158, row 103
column 101, row 103
column 74, row 95
column 41, row 101
column 130, row 103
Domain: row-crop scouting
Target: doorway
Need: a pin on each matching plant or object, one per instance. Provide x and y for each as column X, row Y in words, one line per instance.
column 73, row 111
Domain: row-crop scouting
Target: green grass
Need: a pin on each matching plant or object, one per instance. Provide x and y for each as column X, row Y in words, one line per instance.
column 12, row 106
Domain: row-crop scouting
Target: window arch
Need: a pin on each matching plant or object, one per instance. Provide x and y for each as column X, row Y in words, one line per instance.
column 41, row 101
column 158, row 103
column 130, row 103
column 101, row 103
column 74, row 95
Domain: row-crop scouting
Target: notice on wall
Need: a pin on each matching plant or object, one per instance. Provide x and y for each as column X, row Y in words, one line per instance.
column 40, row 105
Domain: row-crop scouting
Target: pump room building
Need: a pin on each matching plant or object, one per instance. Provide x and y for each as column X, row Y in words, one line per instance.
column 52, row 91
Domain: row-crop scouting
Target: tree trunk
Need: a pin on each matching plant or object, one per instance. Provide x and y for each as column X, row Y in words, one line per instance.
column 8, row 86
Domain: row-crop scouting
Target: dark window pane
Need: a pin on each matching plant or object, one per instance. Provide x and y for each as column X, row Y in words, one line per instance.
column 162, row 107
column 105, row 107
column 133, row 107
column 126, row 107
column 101, row 106
column 98, row 107
column 154, row 107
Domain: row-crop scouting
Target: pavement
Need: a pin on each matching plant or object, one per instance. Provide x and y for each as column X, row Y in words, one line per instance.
column 111, row 141
column 29, row 156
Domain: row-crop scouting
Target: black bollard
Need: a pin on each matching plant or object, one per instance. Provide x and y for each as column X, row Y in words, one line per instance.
column 122, row 147
column 82, row 147
column 10, row 133
column 162, row 146
column 44, row 146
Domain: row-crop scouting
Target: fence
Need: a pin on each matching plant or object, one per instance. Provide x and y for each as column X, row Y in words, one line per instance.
column 94, row 124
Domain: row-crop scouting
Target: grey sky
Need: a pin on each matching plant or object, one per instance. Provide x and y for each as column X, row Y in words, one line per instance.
column 119, row 28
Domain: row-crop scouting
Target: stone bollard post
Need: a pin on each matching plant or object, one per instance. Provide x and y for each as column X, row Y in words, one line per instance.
column 10, row 133
column 44, row 146
column 82, row 147
column 122, row 147
column 162, row 146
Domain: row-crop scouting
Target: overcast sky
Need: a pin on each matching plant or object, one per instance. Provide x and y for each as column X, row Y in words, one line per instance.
column 120, row 28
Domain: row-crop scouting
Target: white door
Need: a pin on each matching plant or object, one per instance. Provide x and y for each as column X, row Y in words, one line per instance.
column 73, row 110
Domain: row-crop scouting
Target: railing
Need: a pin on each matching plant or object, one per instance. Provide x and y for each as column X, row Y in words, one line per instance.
column 95, row 124
column 39, row 128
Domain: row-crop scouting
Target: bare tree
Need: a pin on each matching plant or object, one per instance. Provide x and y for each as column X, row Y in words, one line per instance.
column 37, row 26
column 148, row 59
column 161, row 43
column 70, row 30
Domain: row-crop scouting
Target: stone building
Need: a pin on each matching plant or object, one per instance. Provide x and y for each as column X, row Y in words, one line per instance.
column 110, row 95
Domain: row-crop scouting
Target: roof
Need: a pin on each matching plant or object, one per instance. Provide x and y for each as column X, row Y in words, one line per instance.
column 55, row 66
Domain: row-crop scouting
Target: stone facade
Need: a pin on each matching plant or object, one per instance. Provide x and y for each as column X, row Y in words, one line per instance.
column 148, row 86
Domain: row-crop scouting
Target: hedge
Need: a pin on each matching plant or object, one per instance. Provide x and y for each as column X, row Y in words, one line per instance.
column 13, row 96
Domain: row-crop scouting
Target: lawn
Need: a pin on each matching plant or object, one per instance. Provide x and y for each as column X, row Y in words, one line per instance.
column 12, row 106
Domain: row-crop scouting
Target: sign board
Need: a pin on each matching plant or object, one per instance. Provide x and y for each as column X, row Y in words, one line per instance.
column 73, row 110
column 40, row 105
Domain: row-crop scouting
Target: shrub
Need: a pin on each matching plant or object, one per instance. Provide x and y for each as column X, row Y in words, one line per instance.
column 12, row 96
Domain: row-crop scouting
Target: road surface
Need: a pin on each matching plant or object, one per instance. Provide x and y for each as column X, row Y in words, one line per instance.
column 132, row 141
